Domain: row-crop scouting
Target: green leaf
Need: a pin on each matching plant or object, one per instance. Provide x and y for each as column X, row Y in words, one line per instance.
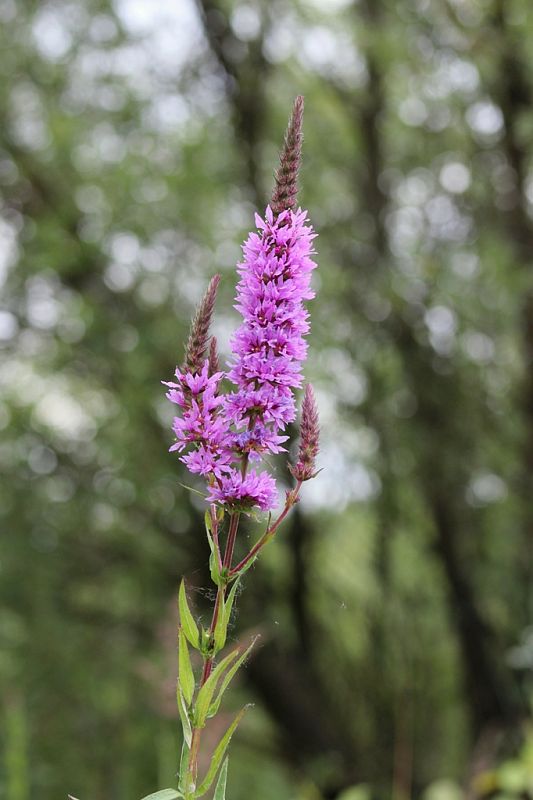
column 213, row 708
column 229, row 600
column 221, row 627
column 184, row 717
column 220, row 790
column 184, row 763
column 186, row 675
column 218, row 755
column 213, row 561
column 190, row 629
column 164, row 794
column 205, row 695
column 191, row 489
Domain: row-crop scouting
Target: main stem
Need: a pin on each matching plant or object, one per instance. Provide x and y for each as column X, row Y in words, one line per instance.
column 292, row 498
column 192, row 769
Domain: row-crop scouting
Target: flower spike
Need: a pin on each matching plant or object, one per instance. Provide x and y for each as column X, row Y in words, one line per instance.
column 304, row 468
column 198, row 336
column 286, row 188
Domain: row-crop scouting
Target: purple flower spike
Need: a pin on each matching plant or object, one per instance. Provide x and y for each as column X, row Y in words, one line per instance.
column 269, row 346
column 304, row 468
column 220, row 435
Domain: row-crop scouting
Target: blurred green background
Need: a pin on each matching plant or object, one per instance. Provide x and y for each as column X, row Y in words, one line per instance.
column 137, row 137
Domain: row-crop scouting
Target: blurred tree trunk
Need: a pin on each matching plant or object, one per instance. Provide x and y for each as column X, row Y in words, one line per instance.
column 367, row 116
column 514, row 95
column 490, row 693
column 245, row 71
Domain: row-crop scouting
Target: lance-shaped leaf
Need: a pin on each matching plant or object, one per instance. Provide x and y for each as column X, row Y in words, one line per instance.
column 230, row 599
column 190, row 628
column 213, row 558
column 184, row 716
column 164, row 794
column 224, row 614
column 218, row 755
column 185, row 673
column 213, row 708
column 220, row 789
column 184, row 762
column 221, row 628
column 205, row 695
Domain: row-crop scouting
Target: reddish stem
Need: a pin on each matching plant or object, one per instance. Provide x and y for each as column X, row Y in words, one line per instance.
column 230, row 544
column 292, row 498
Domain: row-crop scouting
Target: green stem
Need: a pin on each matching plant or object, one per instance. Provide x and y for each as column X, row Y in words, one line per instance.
column 192, row 767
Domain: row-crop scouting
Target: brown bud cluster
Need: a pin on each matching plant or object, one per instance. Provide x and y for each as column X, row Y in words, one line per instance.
column 304, row 469
column 286, row 188
column 195, row 350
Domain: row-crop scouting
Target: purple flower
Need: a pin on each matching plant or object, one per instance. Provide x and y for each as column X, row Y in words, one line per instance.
column 258, row 439
column 269, row 346
column 203, row 423
column 244, row 492
column 269, row 404
column 206, row 461
column 191, row 385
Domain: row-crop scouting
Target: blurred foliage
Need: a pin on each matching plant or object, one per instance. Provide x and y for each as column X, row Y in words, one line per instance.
column 136, row 140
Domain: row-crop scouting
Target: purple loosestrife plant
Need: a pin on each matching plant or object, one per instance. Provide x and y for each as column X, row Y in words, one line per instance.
column 228, row 423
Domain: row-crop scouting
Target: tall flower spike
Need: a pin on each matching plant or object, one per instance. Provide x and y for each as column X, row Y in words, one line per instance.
column 286, row 188
column 309, row 441
column 196, row 347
